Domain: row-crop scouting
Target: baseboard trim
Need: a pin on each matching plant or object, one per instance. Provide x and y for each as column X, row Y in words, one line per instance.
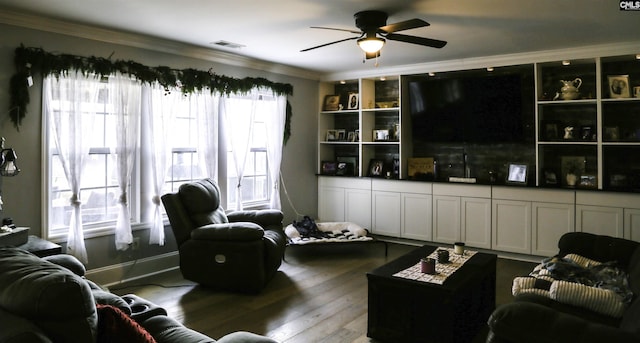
column 133, row 270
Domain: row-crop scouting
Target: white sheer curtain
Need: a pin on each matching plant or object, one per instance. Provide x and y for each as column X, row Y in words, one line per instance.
column 158, row 111
column 275, row 122
column 76, row 96
column 125, row 97
column 239, row 121
column 206, row 107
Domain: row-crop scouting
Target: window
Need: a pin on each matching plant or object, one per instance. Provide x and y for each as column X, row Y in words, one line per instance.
column 185, row 121
column 99, row 190
column 255, row 180
column 255, row 183
column 184, row 164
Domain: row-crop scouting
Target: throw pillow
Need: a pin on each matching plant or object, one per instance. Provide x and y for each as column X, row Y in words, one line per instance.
column 115, row 326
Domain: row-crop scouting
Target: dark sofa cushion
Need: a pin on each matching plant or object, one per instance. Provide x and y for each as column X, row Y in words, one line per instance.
column 166, row 329
column 634, row 272
column 631, row 319
column 19, row 330
column 58, row 301
column 525, row 322
column 598, row 247
column 568, row 309
column 67, row 261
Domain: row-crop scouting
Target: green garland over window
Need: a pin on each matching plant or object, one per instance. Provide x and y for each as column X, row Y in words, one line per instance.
column 188, row 80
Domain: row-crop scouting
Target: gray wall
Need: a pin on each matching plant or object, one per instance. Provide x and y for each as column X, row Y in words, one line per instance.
column 23, row 195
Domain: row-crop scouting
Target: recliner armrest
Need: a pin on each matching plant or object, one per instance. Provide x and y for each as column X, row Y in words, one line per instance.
column 244, row 231
column 263, row 218
column 525, row 322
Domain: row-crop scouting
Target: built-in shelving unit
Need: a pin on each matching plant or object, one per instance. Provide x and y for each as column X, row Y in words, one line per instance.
column 357, row 134
column 593, row 134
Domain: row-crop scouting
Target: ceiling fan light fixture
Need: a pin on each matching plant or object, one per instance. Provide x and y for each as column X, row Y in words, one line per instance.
column 371, row 44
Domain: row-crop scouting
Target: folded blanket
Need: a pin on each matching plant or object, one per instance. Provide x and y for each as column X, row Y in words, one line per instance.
column 579, row 281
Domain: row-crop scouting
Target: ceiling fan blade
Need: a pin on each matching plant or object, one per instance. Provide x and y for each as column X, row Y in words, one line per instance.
column 335, row 29
column 323, row 45
column 434, row 43
column 404, row 25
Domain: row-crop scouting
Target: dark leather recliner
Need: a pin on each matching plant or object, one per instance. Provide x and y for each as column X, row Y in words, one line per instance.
column 239, row 251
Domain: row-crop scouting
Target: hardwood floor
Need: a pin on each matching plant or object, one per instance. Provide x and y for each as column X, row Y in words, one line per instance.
column 318, row 295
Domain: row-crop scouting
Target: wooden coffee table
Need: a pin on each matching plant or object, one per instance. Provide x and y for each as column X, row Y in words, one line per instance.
column 403, row 310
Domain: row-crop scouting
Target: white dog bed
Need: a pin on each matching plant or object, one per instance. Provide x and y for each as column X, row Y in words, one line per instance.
column 338, row 232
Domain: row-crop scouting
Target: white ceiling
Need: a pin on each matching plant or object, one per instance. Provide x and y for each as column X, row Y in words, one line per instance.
column 276, row 30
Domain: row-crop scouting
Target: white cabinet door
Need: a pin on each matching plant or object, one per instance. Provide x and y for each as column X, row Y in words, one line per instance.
column 632, row 224
column 357, row 207
column 550, row 222
column 331, row 204
column 386, row 213
column 476, row 222
column 415, row 222
column 511, row 226
column 600, row 220
column 446, row 219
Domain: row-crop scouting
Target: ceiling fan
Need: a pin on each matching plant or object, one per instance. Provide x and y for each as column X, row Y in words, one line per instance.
column 374, row 30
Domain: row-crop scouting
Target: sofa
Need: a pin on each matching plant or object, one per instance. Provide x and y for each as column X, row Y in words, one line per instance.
column 237, row 251
column 49, row 300
column 533, row 317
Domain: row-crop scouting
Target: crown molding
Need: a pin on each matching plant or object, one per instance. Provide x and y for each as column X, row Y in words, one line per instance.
column 592, row 51
column 149, row 43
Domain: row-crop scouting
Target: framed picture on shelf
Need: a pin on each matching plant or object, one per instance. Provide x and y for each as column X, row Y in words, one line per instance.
column 376, row 168
column 341, row 135
column 517, row 174
column 380, row 135
column 350, row 161
column 619, row 86
column 351, row 136
column 331, row 103
column 344, row 169
column 329, row 167
column 588, row 181
column 332, row 135
column 352, row 104
column 420, row 168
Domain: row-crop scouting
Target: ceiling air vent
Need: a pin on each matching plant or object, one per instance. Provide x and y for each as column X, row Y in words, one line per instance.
column 226, row 44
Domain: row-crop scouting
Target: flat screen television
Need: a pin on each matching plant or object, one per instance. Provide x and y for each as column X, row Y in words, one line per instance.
column 471, row 108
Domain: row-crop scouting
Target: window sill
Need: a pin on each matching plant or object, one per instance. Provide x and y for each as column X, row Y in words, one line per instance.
column 100, row 232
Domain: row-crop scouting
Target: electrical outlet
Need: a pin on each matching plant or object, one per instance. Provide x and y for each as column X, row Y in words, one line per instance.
column 135, row 244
